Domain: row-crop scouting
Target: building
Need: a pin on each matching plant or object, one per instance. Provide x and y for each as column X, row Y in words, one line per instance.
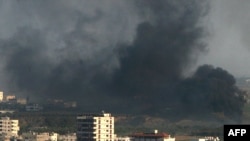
column 9, row 127
column 45, row 136
column 10, row 97
column 1, row 96
column 33, row 108
column 153, row 136
column 209, row 138
column 7, row 111
column 95, row 127
column 70, row 104
column 67, row 137
column 22, row 101
column 122, row 139
column 53, row 136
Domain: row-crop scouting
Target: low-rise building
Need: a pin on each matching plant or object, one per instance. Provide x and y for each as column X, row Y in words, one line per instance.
column 153, row 136
column 70, row 104
column 209, row 138
column 21, row 101
column 122, row 139
column 10, row 97
column 33, row 108
column 67, row 137
column 32, row 136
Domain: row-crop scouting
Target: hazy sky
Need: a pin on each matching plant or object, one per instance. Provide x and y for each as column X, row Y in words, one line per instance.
column 229, row 43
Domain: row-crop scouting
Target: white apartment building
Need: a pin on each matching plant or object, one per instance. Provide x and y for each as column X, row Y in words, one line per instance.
column 8, row 126
column 95, row 127
column 1, row 96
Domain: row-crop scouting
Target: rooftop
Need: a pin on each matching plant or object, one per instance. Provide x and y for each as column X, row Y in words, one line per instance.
column 150, row 135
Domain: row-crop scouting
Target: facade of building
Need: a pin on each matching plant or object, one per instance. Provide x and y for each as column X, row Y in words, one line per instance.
column 122, row 139
column 10, row 97
column 209, row 138
column 33, row 108
column 9, row 127
column 21, row 101
column 42, row 137
column 67, row 137
column 1, row 96
column 95, row 127
column 154, row 136
column 45, row 136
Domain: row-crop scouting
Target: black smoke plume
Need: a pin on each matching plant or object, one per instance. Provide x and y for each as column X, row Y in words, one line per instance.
column 211, row 91
column 116, row 55
column 152, row 65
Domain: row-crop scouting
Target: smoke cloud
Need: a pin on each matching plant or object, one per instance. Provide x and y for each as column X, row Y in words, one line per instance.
column 163, row 48
column 48, row 47
column 110, row 54
column 211, row 90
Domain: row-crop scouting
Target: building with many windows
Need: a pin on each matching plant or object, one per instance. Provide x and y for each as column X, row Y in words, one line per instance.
column 9, row 127
column 95, row 127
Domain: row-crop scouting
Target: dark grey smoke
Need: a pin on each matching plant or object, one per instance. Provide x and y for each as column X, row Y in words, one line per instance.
column 114, row 54
column 152, row 65
column 211, row 91
column 62, row 49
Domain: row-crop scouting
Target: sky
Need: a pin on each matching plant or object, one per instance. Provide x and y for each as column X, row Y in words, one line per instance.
column 228, row 42
column 77, row 47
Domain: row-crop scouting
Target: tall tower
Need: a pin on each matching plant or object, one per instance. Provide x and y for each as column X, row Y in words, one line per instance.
column 95, row 127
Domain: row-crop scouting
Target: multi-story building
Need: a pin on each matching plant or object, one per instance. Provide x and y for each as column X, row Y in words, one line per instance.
column 95, row 127
column 8, row 126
